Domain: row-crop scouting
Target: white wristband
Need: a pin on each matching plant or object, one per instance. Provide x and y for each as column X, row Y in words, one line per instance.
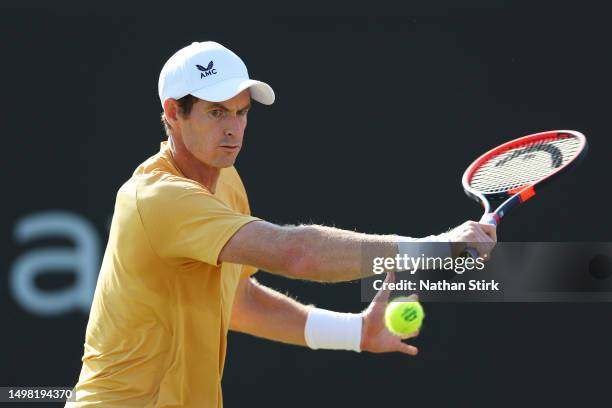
column 332, row 330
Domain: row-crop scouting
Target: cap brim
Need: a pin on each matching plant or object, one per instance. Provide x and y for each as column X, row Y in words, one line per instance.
column 260, row 91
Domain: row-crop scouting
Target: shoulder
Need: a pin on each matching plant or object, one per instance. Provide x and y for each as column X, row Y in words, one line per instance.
column 231, row 190
column 231, row 179
column 160, row 191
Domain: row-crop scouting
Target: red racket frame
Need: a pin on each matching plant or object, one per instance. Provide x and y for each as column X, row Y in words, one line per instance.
column 519, row 195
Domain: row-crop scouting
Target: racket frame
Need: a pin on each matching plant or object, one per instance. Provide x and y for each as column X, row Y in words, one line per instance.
column 519, row 195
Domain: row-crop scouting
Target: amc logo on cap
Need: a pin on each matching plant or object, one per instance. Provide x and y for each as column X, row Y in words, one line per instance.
column 209, row 70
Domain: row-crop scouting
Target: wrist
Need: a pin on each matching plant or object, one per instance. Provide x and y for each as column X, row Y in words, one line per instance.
column 432, row 246
column 364, row 343
column 330, row 330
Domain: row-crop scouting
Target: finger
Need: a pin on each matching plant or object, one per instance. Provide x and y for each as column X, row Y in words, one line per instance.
column 383, row 294
column 411, row 335
column 475, row 239
column 480, row 234
column 477, row 231
column 484, row 243
column 483, row 250
column 489, row 230
column 407, row 349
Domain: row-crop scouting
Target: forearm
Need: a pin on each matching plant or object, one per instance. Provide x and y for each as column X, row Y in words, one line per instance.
column 263, row 312
column 329, row 254
column 266, row 313
column 309, row 252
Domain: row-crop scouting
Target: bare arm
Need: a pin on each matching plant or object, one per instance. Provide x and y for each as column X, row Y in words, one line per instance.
column 263, row 312
column 325, row 254
column 309, row 252
column 266, row 313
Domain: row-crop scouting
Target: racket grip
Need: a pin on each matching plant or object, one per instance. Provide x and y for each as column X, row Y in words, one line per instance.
column 470, row 253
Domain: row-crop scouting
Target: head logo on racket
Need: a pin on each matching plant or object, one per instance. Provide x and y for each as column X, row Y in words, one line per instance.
column 510, row 173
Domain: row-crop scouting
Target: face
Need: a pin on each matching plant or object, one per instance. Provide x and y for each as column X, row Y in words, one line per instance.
column 213, row 132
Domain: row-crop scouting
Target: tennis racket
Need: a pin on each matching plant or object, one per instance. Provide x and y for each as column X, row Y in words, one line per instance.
column 509, row 174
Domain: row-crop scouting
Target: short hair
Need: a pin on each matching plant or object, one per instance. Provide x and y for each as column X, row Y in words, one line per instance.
column 185, row 104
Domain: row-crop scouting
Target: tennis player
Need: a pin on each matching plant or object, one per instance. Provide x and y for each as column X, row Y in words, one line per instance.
column 176, row 274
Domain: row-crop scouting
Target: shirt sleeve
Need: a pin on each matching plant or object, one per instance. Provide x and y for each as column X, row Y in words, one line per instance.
column 247, row 270
column 242, row 202
column 185, row 221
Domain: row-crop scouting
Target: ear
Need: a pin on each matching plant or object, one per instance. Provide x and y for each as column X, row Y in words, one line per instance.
column 171, row 111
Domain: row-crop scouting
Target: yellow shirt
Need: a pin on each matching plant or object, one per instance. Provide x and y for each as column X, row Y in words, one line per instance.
column 158, row 325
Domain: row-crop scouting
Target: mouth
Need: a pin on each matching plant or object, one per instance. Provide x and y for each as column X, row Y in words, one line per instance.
column 230, row 147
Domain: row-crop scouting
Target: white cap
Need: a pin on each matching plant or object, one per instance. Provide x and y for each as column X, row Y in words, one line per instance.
column 209, row 71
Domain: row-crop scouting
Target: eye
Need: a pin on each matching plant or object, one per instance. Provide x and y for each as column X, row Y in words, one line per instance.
column 216, row 113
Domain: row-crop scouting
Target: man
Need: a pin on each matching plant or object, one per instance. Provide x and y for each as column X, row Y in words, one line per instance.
column 176, row 272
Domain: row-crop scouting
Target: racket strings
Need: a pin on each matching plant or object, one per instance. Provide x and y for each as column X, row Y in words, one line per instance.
column 524, row 164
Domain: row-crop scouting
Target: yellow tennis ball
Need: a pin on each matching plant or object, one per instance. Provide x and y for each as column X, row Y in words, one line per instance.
column 404, row 316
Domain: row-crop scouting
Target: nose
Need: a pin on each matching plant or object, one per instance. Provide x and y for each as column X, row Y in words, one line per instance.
column 233, row 127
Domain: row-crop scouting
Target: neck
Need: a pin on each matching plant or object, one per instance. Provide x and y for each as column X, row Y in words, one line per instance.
column 191, row 167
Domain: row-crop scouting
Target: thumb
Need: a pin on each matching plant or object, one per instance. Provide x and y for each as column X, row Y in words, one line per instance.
column 489, row 230
column 383, row 294
column 488, row 224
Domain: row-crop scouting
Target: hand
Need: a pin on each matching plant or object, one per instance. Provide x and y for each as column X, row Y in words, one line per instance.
column 375, row 337
column 479, row 235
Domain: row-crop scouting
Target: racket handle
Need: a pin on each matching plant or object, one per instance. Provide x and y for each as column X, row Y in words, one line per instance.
column 470, row 253
column 489, row 218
